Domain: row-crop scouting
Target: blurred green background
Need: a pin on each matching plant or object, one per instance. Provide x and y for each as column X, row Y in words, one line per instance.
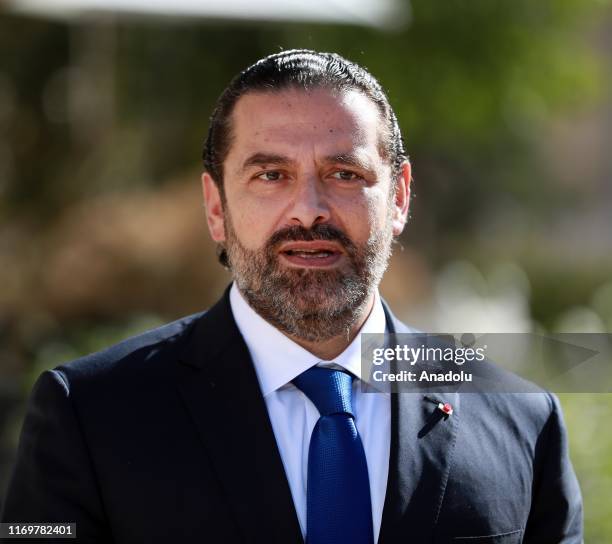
column 506, row 110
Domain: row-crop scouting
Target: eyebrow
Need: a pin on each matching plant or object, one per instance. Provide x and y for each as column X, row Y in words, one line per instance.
column 349, row 159
column 262, row 159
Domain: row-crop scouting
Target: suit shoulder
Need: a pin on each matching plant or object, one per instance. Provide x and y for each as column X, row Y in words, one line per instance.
column 518, row 413
column 133, row 353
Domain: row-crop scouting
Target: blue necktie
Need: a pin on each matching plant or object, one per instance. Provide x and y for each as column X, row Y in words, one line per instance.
column 339, row 509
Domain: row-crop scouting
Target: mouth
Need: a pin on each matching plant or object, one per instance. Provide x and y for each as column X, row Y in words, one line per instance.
column 316, row 254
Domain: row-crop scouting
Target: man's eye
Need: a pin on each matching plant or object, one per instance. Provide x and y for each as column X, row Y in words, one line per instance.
column 345, row 175
column 272, row 175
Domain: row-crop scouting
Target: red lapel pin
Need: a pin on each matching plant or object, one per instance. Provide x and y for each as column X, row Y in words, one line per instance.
column 446, row 408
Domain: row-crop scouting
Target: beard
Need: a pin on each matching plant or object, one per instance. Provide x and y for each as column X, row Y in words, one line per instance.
column 309, row 303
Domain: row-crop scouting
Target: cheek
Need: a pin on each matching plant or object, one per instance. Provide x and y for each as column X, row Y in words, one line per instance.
column 379, row 209
column 253, row 222
column 364, row 216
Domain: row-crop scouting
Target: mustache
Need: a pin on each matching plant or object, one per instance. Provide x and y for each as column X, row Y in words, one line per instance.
column 297, row 233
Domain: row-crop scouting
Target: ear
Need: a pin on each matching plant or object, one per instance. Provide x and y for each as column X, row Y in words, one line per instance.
column 402, row 198
column 214, row 208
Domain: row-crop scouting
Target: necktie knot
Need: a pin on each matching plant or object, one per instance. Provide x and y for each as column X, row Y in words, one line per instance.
column 329, row 390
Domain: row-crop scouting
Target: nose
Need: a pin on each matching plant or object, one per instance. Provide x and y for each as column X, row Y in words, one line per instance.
column 309, row 204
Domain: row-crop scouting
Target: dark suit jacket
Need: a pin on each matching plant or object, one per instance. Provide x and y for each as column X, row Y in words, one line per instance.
column 166, row 438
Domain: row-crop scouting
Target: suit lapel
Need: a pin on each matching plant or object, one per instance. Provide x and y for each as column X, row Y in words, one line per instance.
column 219, row 386
column 422, row 443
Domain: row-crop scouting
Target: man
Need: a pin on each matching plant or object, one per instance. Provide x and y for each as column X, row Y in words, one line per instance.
column 248, row 423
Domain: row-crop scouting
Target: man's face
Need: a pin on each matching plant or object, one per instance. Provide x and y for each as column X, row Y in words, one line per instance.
column 310, row 207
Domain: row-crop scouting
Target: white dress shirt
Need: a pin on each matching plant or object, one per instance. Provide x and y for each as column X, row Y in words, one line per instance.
column 278, row 360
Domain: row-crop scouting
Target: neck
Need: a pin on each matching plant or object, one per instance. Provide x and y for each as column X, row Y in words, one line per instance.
column 331, row 348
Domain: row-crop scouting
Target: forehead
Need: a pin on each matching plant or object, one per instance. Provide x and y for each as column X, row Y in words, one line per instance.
column 295, row 120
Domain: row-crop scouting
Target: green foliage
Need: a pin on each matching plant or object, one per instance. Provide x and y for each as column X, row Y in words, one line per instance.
column 83, row 340
column 588, row 422
column 473, row 83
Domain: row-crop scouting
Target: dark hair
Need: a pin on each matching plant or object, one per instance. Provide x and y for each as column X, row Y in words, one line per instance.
column 304, row 69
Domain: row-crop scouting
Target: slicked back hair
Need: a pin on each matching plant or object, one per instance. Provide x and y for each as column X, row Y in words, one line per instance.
column 300, row 69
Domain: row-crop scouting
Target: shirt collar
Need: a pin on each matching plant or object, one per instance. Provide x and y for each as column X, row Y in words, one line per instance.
column 278, row 359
